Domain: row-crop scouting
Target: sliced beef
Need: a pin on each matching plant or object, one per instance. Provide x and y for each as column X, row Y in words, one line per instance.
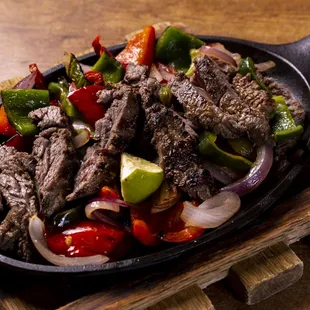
column 228, row 110
column 135, row 73
column 114, row 133
column 201, row 110
column 56, row 159
column 175, row 142
column 296, row 108
column 18, row 192
column 49, row 117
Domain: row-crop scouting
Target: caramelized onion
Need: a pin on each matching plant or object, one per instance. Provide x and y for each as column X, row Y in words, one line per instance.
column 264, row 66
column 214, row 52
column 213, row 212
column 81, row 138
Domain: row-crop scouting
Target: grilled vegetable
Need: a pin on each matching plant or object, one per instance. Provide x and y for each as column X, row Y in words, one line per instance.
column 284, row 127
column 111, row 69
column 19, row 102
column 173, row 48
column 208, row 148
column 69, row 217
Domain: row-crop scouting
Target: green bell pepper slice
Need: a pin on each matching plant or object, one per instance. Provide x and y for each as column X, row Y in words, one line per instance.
column 207, row 147
column 173, row 48
column 18, row 103
column 60, row 90
column 165, row 95
column 242, row 146
column 69, row 217
column 284, row 126
column 74, row 71
column 246, row 66
column 111, row 69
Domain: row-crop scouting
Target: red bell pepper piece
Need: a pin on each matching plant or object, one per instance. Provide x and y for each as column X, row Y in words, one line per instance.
column 6, row 128
column 22, row 144
column 94, row 77
column 39, row 79
column 98, row 48
column 85, row 239
column 109, row 192
column 140, row 49
column 85, row 100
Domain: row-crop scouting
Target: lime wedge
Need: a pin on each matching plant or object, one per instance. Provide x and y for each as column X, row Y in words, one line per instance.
column 139, row 178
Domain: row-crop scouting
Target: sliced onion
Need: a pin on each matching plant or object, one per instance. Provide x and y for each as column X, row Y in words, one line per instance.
column 154, row 73
column 36, row 232
column 85, row 68
column 28, row 82
column 78, row 125
column 167, row 73
column 212, row 212
column 221, row 47
column 264, row 66
column 118, row 201
column 222, row 174
column 256, row 175
column 81, row 138
column 214, row 52
column 100, row 205
column 98, row 215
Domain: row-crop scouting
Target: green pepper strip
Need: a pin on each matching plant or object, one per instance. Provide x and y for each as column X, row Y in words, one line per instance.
column 208, row 148
column 74, row 71
column 173, row 48
column 61, row 91
column 111, row 69
column 284, row 126
column 18, row 103
column 241, row 146
column 247, row 66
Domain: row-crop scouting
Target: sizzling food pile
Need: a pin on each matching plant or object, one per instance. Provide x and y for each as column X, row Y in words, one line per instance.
column 153, row 145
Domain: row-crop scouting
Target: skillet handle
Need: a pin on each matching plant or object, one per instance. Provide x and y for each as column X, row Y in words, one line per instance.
column 298, row 53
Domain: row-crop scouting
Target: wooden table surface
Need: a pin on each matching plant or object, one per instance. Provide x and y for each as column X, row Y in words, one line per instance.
column 40, row 31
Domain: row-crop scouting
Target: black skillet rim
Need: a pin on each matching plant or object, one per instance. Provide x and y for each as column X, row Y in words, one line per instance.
column 238, row 222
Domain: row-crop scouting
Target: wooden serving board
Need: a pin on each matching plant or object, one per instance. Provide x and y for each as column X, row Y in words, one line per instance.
column 182, row 279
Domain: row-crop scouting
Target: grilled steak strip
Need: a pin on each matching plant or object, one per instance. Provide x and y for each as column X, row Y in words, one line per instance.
column 175, row 143
column 114, row 131
column 18, row 191
column 56, row 159
column 249, row 105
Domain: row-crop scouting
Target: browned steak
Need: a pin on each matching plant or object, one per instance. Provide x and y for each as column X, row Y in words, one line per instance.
column 56, row 159
column 18, row 192
column 175, row 142
column 114, row 133
column 135, row 73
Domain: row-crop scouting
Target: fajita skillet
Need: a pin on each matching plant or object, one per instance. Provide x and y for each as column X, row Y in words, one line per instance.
column 293, row 71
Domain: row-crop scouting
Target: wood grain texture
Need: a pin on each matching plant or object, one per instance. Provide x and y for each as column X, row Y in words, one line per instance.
column 288, row 223
column 41, row 30
column 190, row 298
column 265, row 274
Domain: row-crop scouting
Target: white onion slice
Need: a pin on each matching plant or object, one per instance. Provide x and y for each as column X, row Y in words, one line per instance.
column 264, row 66
column 213, row 212
column 154, row 73
column 167, row 73
column 81, row 139
column 36, row 232
column 100, row 205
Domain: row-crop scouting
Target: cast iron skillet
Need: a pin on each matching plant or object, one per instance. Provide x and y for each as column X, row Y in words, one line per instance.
column 292, row 70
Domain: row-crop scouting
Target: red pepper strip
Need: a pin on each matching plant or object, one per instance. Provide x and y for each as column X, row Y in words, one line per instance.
column 39, row 79
column 94, row 77
column 98, row 48
column 85, row 100
column 6, row 128
column 85, row 239
column 22, row 144
column 140, row 49
column 109, row 192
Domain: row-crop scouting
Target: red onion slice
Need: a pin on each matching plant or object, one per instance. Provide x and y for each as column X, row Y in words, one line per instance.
column 167, row 73
column 264, row 66
column 36, row 232
column 154, row 73
column 81, row 138
column 100, row 205
column 214, row 52
column 213, row 212
column 221, row 47
column 120, row 202
column 27, row 83
column 256, row 175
